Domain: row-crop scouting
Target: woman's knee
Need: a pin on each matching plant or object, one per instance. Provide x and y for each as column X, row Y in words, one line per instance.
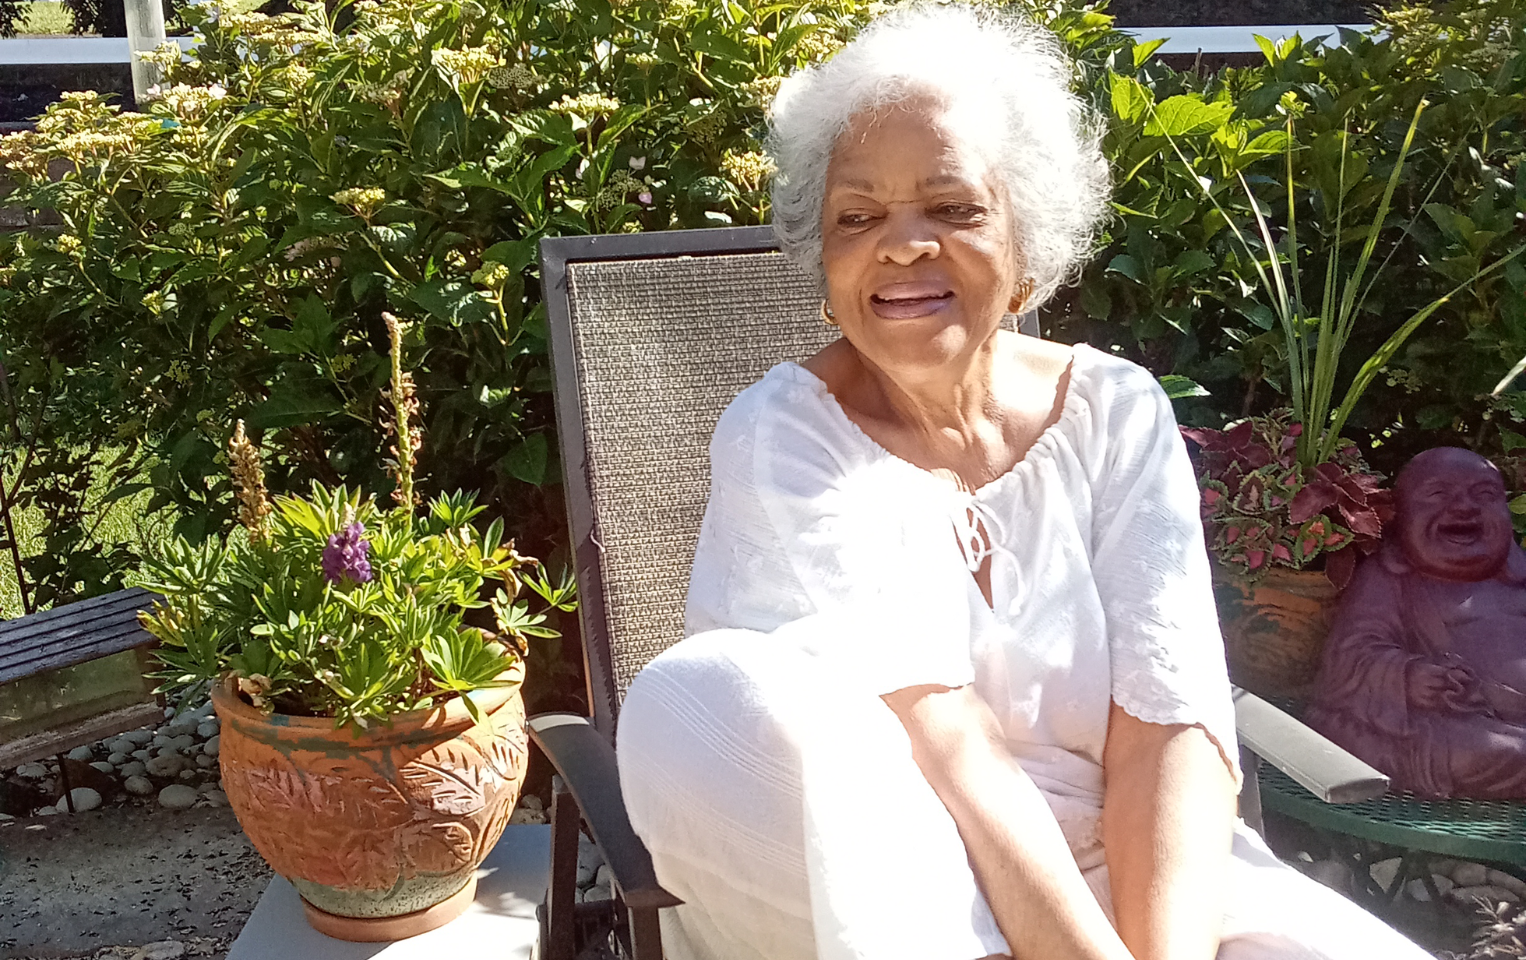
column 712, row 702
column 700, row 677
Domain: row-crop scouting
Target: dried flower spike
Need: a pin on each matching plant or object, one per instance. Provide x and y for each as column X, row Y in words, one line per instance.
column 249, row 479
column 405, row 407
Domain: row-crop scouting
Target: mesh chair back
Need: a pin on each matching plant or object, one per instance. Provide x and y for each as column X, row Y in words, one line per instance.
column 655, row 337
column 652, row 336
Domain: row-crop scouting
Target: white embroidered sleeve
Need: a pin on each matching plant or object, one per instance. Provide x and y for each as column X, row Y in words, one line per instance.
column 1151, row 564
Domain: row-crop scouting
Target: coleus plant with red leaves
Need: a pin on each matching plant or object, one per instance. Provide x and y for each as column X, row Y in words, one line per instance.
column 1261, row 509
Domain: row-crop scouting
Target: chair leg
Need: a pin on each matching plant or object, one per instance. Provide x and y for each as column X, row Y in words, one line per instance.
column 561, row 894
column 63, row 781
column 1250, row 792
column 646, row 935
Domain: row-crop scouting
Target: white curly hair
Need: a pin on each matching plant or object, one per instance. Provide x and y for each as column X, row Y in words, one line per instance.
column 1008, row 75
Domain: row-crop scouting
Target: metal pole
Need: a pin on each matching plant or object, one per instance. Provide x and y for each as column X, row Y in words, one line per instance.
column 15, row 545
column 145, row 31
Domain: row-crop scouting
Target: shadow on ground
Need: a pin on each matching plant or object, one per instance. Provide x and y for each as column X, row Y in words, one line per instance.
column 127, row 876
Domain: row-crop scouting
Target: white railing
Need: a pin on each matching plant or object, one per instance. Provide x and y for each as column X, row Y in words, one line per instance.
column 145, row 31
column 30, row 51
column 1190, row 40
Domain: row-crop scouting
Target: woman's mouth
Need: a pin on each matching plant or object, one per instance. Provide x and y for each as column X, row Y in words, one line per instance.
column 904, row 301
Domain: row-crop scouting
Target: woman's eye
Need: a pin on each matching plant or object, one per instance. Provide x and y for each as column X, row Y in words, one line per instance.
column 960, row 211
column 853, row 219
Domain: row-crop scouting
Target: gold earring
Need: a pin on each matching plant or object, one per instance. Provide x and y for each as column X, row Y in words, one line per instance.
column 827, row 316
column 1021, row 295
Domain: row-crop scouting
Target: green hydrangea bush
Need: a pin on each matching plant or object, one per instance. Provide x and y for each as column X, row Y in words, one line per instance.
column 228, row 253
column 1317, row 133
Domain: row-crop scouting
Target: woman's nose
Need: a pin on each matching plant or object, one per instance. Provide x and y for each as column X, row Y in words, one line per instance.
column 908, row 237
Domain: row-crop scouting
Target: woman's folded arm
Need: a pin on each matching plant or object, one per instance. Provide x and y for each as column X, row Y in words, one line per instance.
column 1167, row 823
column 1024, row 866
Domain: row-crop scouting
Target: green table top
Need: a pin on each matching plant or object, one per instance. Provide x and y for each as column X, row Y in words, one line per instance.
column 1493, row 830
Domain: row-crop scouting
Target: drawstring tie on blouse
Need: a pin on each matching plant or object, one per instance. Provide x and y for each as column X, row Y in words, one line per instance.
column 974, row 523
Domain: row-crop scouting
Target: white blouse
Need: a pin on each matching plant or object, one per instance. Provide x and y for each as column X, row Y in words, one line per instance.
column 1099, row 576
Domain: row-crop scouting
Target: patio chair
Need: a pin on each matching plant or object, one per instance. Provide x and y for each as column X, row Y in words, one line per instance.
column 652, row 336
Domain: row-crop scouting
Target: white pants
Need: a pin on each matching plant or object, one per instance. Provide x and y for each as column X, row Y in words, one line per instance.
column 789, row 816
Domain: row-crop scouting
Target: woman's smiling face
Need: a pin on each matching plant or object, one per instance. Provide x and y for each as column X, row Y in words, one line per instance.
column 917, row 242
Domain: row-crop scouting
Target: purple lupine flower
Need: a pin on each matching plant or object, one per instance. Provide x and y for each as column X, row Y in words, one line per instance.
column 345, row 556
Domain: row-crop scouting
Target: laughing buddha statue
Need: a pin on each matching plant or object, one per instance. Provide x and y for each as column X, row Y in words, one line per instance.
column 1425, row 667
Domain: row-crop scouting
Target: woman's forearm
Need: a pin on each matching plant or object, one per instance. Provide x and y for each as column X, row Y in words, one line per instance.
column 1041, row 903
column 1167, row 824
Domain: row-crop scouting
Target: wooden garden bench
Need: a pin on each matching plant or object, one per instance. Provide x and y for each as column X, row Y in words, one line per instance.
column 652, row 336
column 73, row 675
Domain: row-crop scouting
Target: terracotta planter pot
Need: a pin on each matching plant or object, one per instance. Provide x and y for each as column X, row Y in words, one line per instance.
column 380, row 830
column 1275, row 629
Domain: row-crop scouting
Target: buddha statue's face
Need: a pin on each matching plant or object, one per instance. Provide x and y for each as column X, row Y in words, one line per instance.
column 1453, row 518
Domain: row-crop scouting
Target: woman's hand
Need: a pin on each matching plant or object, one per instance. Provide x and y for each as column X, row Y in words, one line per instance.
column 1167, row 823
column 1041, row 903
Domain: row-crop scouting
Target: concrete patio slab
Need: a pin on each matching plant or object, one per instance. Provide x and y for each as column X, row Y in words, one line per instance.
column 500, row 924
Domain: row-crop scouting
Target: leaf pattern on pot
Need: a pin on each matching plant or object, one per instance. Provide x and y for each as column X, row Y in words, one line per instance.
column 435, row 847
column 283, row 792
column 370, row 818
column 456, row 792
column 507, row 756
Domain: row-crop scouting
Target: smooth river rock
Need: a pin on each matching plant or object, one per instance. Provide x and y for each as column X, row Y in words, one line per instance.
column 177, row 796
column 167, row 765
column 84, row 799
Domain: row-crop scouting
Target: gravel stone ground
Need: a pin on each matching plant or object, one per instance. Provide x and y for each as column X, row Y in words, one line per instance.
column 151, row 865
column 130, row 882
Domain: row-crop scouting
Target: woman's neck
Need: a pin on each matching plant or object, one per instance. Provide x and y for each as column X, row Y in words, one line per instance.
column 951, row 402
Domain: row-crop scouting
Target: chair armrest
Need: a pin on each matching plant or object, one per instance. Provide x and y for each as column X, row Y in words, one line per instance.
column 586, row 763
column 1322, row 767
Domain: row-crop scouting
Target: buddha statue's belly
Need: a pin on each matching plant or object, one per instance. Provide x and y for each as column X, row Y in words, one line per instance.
column 1486, row 630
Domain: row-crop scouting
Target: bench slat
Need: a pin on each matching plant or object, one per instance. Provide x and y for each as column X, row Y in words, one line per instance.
column 75, row 632
column 48, row 743
column 134, row 598
column 126, row 637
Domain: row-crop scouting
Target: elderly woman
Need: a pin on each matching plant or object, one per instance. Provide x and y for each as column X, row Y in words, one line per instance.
column 953, row 686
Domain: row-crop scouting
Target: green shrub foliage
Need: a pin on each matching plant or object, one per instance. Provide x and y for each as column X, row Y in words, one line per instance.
column 1174, row 288
column 229, row 253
